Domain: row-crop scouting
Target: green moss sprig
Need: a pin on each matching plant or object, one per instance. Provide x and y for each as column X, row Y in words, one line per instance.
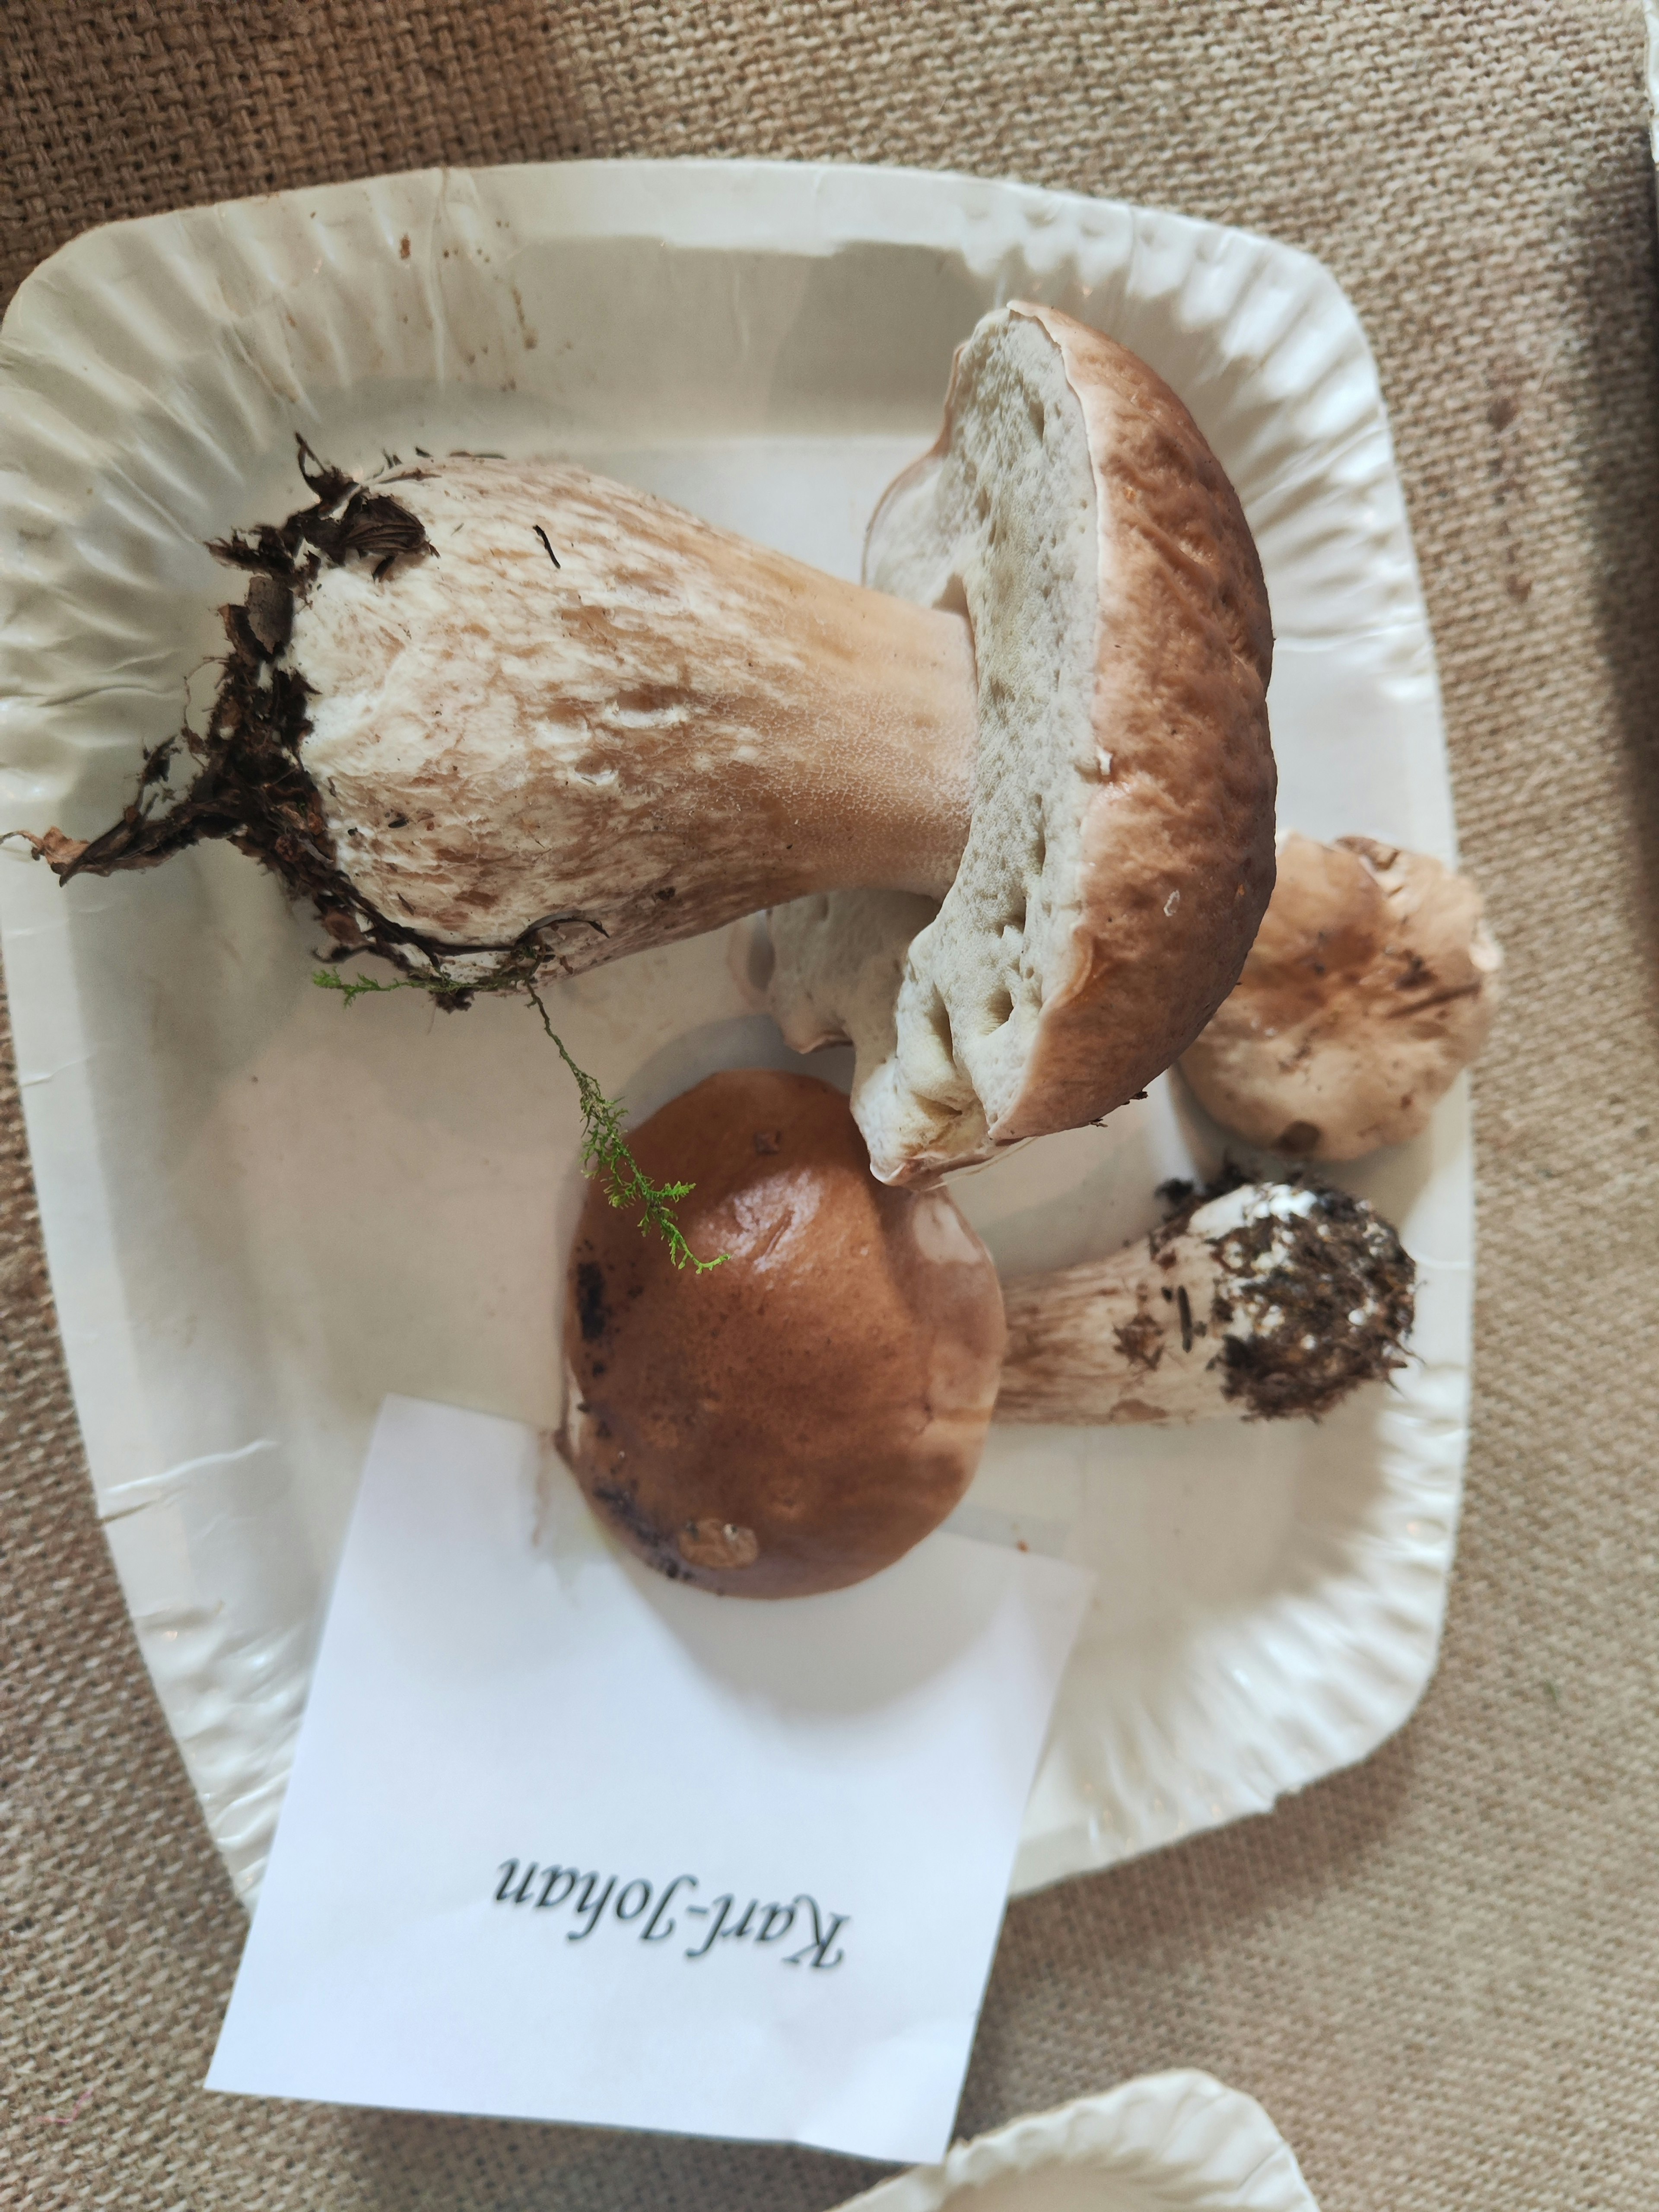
column 605, row 1150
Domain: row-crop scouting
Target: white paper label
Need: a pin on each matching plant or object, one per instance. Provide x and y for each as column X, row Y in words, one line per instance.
column 566, row 1841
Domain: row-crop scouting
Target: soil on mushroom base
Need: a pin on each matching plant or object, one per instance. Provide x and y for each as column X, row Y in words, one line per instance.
column 252, row 790
column 1341, row 1259
column 252, row 787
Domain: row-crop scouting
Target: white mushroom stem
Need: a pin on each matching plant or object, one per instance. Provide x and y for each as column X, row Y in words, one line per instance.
column 592, row 705
column 491, row 717
column 1269, row 1300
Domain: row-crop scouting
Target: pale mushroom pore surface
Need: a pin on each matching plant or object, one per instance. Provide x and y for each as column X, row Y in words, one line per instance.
column 1119, row 853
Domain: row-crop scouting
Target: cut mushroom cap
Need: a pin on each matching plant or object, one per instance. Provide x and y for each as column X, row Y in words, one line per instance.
column 818, row 1404
column 482, row 709
column 1371, row 983
column 1270, row 1300
column 1120, row 855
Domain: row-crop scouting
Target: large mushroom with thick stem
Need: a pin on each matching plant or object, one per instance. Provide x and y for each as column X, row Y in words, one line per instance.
column 491, row 714
column 494, row 717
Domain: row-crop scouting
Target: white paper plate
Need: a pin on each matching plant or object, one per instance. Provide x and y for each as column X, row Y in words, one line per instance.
column 1169, row 2143
column 263, row 1211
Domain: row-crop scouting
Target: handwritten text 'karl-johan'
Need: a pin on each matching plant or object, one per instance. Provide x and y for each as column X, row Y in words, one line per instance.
column 592, row 1897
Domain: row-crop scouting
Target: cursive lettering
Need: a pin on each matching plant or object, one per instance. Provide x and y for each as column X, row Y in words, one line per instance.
column 724, row 1904
column 594, row 1908
column 778, row 1921
column 594, row 1896
column 649, row 1934
column 564, row 1880
column 823, row 1937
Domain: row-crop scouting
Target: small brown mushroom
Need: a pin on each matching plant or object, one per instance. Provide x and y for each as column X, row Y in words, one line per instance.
column 1371, row 983
column 817, row 1403
column 1271, row 1300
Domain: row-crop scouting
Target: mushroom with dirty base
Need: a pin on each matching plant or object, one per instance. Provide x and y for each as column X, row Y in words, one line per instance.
column 1271, row 1300
column 822, row 1404
column 498, row 719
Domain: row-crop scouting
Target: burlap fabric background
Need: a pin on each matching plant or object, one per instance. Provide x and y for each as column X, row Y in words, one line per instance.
column 1439, row 1972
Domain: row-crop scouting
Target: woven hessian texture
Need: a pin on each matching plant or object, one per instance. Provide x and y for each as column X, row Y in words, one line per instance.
column 1439, row 1972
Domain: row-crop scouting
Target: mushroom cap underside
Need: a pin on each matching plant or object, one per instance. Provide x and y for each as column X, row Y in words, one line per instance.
column 1120, row 854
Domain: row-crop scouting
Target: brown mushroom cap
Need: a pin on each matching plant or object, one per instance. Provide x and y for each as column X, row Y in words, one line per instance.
column 1121, row 851
column 798, row 1419
column 1371, row 983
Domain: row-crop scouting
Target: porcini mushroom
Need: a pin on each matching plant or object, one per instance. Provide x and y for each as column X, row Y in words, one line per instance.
column 493, row 717
column 1271, row 1300
column 821, row 1404
column 1120, row 854
column 1371, row 983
